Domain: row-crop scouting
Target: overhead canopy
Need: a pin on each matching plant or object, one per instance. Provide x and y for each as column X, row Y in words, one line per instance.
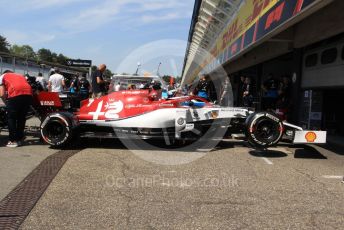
column 223, row 30
column 209, row 20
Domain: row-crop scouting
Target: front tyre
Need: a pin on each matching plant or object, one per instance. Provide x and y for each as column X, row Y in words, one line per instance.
column 263, row 129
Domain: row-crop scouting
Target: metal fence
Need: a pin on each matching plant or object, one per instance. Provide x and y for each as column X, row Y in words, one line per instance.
column 24, row 66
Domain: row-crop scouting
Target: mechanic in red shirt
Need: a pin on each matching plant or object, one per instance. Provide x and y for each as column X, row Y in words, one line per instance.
column 17, row 94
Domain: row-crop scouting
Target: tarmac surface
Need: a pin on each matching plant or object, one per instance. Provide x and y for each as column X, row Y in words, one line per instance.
column 17, row 163
column 107, row 186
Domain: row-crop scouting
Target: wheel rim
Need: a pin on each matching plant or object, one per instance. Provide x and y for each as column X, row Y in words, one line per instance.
column 266, row 130
column 55, row 130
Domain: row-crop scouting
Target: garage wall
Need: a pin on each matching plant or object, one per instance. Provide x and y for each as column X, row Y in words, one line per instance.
column 324, row 75
column 325, row 23
column 265, row 52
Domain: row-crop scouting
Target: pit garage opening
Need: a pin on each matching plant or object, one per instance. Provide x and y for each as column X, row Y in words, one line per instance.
column 301, row 41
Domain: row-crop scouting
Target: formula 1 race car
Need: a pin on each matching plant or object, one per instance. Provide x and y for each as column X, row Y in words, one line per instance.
column 144, row 115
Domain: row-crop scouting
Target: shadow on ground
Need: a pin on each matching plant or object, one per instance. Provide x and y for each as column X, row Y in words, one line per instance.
column 300, row 151
column 305, row 151
column 308, row 152
column 151, row 145
column 32, row 137
column 268, row 153
column 334, row 148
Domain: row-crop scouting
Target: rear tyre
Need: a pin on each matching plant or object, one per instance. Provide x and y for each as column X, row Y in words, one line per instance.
column 57, row 130
column 263, row 130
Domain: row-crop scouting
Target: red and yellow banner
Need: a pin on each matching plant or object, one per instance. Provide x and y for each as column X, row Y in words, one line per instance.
column 254, row 20
column 247, row 16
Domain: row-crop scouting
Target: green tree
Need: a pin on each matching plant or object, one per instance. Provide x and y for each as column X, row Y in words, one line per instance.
column 108, row 74
column 49, row 56
column 23, row 51
column 4, row 45
column 166, row 78
column 54, row 57
column 61, row 59
column 44, row 55
column 94, row 68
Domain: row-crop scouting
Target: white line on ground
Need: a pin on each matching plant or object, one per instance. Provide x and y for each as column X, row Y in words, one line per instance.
column 204, row 150
column 332, row 177
column 165, row 184
column 267, row 161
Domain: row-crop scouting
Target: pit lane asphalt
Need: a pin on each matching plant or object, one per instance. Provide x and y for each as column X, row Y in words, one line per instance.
column 106, row 186
column 17, row 163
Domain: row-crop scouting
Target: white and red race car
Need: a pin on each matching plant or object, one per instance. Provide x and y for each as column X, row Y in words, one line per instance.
column 141, row 114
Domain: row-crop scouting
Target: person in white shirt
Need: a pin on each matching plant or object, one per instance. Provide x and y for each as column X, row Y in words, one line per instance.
column 56, row 82
column 118, row 87
column 42, row 81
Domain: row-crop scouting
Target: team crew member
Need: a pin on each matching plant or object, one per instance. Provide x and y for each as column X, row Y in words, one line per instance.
column 224, row 99
column 84, row 88
column 118, row 87
column 40, row 79
column 56, row 82
column 156, row 91
column 75, row 85
column 247, row 93
column 17, row 93
column 98, row 83
column 270, row 89
column 202, row 89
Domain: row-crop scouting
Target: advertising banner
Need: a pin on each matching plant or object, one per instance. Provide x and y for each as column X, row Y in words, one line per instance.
column 79, row 63
column 255, row 20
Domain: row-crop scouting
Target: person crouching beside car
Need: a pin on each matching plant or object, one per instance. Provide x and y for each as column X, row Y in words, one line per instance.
column 17, row 94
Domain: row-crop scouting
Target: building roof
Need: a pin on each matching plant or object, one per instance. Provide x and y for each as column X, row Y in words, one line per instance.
column 209, row 19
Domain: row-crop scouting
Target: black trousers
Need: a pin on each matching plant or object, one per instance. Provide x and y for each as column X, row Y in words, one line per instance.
column 17, row 108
